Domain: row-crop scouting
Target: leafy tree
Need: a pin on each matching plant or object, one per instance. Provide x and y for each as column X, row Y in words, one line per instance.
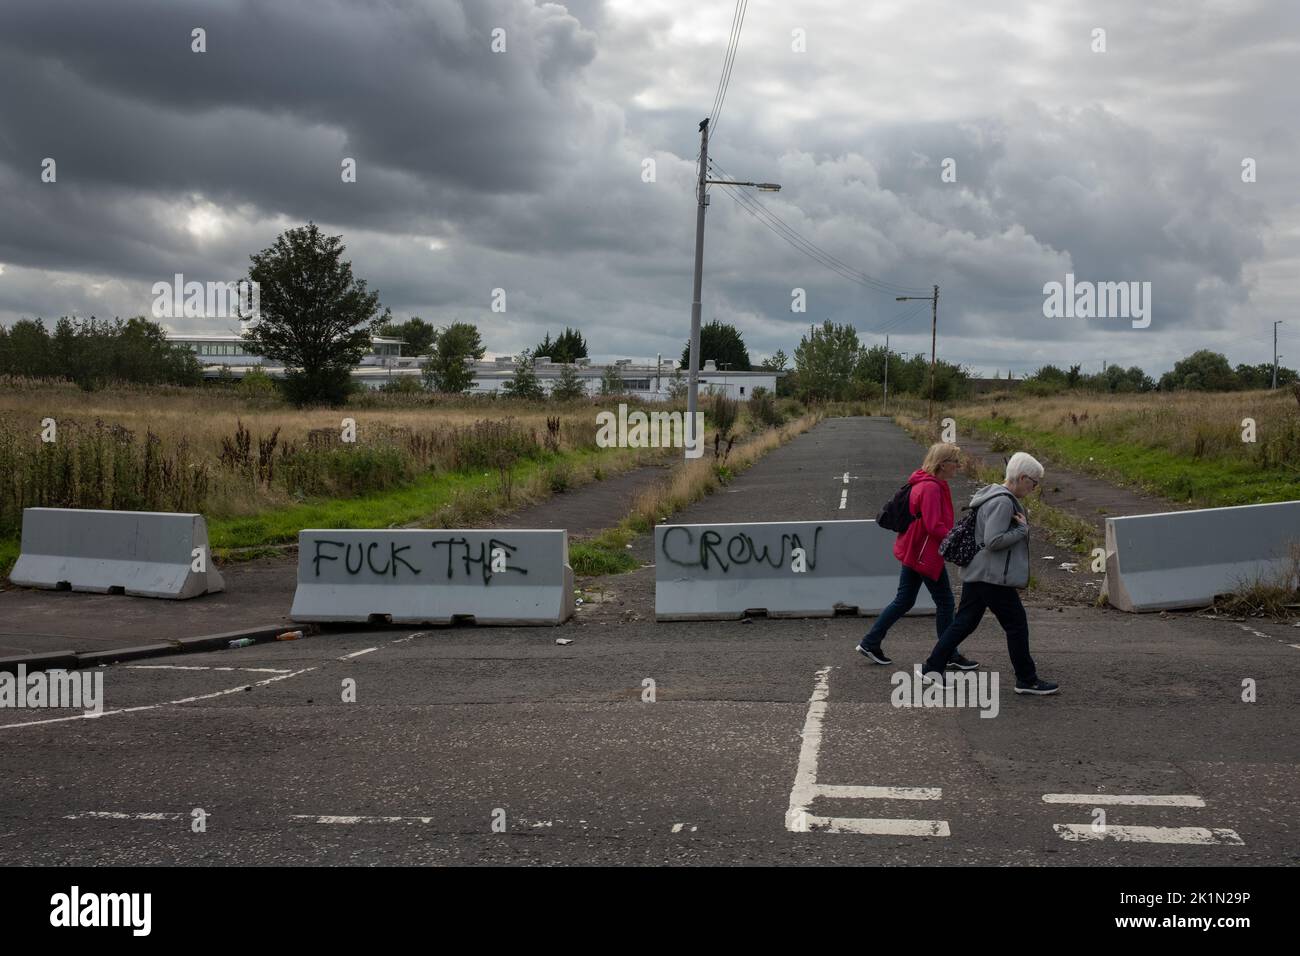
column 569, row 346
column 611, row 382
column 825, row 361
column 1261, row 376
column 417, row 335
column 1203, row 370
column 524, row 384
column 775, row 362
column 93, row 352
column 568, row 386
column 447, row 369
column 721, row 342
column 316, row 317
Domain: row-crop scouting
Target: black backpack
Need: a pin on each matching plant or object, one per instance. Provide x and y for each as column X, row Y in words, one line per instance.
column 896, row 515
column 959, row 545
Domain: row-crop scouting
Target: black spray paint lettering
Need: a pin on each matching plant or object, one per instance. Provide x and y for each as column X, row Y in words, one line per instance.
column 484, row 559
column 364, row 556
column 739, row 549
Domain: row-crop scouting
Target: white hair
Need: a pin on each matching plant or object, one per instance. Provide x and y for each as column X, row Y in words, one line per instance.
column 1023, row 463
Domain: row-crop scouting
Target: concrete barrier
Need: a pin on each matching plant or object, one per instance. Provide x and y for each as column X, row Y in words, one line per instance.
column 1183, row 559
column 722, row 571
column 434, row 577
column 139, row 553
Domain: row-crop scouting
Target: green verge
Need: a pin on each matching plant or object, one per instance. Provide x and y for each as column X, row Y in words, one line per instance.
column 256, row 535
column 1210, row 482
column 606, row 553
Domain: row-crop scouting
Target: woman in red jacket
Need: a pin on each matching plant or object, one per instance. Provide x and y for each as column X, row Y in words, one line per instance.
column 918, row 550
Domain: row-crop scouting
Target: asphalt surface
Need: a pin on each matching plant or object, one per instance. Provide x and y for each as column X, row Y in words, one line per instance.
column 455, row 730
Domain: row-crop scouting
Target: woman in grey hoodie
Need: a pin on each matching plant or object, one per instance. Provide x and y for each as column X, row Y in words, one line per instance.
column 1000, row 566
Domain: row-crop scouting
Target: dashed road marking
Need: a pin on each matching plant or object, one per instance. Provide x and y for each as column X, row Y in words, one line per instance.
column 357, row 653
column 115, row 815
column 879, row 826
column 806, row 788
column 678, row 827
column 1125, row 800
column 878, row 793
column 844, row 499
column 90, row 715
column 1194, row 836
column 327, row 819
column 200, row 667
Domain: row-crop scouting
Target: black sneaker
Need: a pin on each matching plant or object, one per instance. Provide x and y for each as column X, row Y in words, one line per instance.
column 874, row 654
column 963, row 663
column 1036, row 686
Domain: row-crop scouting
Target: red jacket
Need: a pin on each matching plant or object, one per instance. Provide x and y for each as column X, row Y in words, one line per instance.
column 918, row 546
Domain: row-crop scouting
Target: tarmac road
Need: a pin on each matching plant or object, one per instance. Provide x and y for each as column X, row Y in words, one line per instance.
column 455, row 730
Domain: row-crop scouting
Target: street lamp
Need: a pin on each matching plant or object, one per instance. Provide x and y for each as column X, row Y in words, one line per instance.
column 702, row 195
column 934, row 322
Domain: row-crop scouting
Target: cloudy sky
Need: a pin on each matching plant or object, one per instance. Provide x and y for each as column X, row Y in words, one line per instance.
column 525, row 169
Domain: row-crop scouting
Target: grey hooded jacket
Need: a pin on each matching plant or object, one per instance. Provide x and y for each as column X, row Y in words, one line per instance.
column 1004, row 559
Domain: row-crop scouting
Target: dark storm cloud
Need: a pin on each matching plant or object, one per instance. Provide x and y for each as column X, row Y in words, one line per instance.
column 523, row 170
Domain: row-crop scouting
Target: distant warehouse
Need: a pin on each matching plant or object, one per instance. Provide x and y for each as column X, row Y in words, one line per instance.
column 226, row 355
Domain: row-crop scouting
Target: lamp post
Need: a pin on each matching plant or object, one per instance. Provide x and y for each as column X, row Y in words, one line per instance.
column 702, row 197
column 934, row 323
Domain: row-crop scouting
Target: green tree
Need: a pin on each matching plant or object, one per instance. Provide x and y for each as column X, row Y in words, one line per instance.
column 568, row 386
column 448, row 367
column 29, row 349
column 611, row 382
column 825, row 361
column 316, row 318
column 1203, row 370
column 721, row 342
column 776, row 362
column 416, row 334
column 569, row 346
column 524, row 384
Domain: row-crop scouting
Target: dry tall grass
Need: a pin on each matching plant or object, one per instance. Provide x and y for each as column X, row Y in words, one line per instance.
column 1190, row 424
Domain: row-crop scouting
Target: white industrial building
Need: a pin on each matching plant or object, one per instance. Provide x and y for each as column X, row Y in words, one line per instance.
column 225, row 355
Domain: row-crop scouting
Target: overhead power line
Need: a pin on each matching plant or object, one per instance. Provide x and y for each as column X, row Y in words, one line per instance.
column 728, row 64
column 787, row 232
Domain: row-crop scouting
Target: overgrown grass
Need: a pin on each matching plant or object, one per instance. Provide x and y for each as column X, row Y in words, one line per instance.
column 607, row 552
column 1187, row 447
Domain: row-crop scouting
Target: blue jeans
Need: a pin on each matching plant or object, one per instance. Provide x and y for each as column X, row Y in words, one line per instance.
column 909, row 586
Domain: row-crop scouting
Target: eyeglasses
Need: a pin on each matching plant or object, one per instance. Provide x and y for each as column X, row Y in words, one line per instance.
column 1034, row 480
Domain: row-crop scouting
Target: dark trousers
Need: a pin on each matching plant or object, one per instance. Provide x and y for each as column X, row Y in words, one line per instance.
column 1004, row 602
column 909, row 586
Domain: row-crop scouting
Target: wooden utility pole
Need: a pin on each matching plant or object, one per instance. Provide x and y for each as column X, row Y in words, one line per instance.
column 934, row 326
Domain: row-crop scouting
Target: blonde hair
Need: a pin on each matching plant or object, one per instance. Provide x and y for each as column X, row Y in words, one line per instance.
column 937, row 455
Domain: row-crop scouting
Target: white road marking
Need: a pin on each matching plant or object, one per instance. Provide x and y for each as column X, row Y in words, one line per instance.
column 846, row 477
column 677, row 827
column 885, row 827
column 1296, row 646
column 1125, row 800
column 360, row 819
column 806, row 788
column 183, row 700
column 844, row 498
column 1195, row 836
column 358, row 653
column 199, row 667
column 878, row 793
column 113, row 815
